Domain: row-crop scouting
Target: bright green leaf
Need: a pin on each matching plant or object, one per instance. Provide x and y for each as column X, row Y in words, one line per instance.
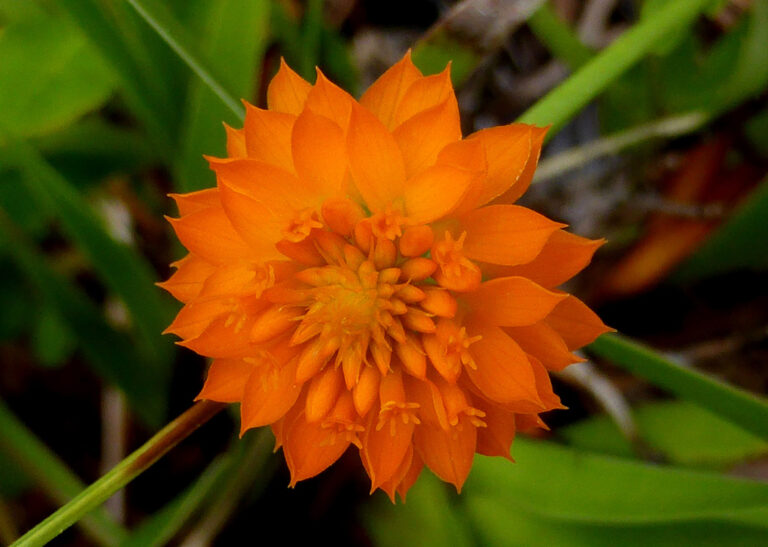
column 49, row 76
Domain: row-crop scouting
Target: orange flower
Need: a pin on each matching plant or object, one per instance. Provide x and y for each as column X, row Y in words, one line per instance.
column 360, row 277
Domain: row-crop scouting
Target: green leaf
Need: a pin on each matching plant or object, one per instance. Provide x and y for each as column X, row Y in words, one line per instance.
column 739, row 407
column 555, row 495
column 17, row 316
column 684, row 433
column 558, row 38
column 41, row 465
column 52, row 339
column 732, row 246
column 123, row 270
column 111, row 354
column 429, row 518
column 237, row 62
column 50, row 76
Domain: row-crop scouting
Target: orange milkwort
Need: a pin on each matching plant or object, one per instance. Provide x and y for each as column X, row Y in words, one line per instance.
column 360, row 276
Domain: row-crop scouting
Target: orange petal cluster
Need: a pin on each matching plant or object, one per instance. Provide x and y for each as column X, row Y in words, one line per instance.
column 361, row 277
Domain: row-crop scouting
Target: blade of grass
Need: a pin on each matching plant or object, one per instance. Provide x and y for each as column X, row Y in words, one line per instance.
column 125, row 272
column 237, row 61
column 310, row 38
column 120, row 475
column 45, row 468
column 739, row 407
column 173, row 34
column 558, row 37
column 111, row 354
column 567, row 99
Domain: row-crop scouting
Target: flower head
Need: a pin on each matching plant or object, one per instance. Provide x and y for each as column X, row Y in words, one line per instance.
column 360, row 277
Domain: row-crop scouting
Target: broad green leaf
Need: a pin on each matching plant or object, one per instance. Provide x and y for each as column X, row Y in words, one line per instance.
column 111, row 354
column 237, row 62
column 18, row 313
column 565, row 485
column 733, row 245
column 121, row 268
column 52, row 339
column 430, row 517
column 39, row 463
column 503, row 524
column 49, row 76
column 730, row 403
column 682, row 432
column 149, row 78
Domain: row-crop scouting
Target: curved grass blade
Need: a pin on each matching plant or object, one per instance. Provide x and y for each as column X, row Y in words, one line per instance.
column 173, row 34
column 44, row 467
column 743, row 409
column 567, row 99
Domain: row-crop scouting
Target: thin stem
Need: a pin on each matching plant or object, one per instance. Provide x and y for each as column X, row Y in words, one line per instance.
column 164, row 31
column 565, row 101
column 743, row 409
column 121, row 474
column 573, row 158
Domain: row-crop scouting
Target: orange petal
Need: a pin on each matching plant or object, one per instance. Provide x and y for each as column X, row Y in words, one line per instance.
column 525, row 178
column 225, row 337
column 195, row 317
column 329, row 100
column 287, row 92
column 390, row 486
column 384, row 448
column 430, row 401
column 506, row 234
column 423, row 136
column 576, row 323
column 435, row 192
column 386, row 93
column 503, row 372
column 226, row 381
column 496, row 438
column 424, row 94
column 196, row 201
column 319, row 153
column 269, row 393
column 448, row 454
column 210, row 235
column 310, row 448
column 544, row 386
column 375, row 160
column 511, row 302
column 186, row 282
column 541, row 341
column 235, row 142
column 261, row 200
column 507, row 149
column 323, row 392
column 268, row 136
column 408, row 480
column 563, row 256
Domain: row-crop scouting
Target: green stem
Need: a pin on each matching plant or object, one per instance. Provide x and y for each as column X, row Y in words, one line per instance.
column 567, row 99
column 171, row 32
column 733, row 404
column 37, row 461
column 573, row 158
column 121, row 474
